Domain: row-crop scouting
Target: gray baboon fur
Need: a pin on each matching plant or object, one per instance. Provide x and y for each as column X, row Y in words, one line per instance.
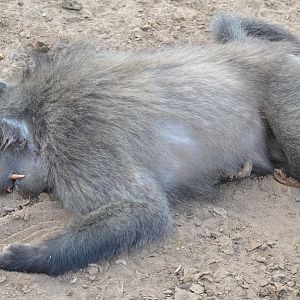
column 282, row 106
column 228, row 27
column 111, row 134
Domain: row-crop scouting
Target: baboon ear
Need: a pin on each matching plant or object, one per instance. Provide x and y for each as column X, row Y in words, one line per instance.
column 4, row 87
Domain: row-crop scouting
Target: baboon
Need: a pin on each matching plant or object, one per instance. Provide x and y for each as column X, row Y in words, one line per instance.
column 113, row 135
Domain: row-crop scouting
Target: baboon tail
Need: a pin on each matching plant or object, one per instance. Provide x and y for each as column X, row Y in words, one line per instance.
column 103, row 234
column 227, row 27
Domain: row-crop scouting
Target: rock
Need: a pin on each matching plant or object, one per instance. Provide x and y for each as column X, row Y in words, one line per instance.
column 74, row 280
column 266, row 291
column 220, row 274
column 261, row 259
column 197, row 289
column 279, row 277
column 291, row 283
column 93, row 270
column 254, row 245
column 221, row 211
column 121, row 262
column 264, row 246
column 92, row 278
column 3, row 278
column 184, row 295
column 27, row 216
column 168, row 292
column 264, row 282
column 71, row 5
column 25, row 289
column 226, row 245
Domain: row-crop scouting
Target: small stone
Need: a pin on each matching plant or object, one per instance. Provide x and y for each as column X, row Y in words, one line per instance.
column 245, row 286
column 221, row 211
column 27, row 216
column 226, row 245
column 271, row 243
column 220, row 274
column 178, row 269
column 121, row 262
column 279, row 277
column 264, row 246
column 85, row 286
column 145, row 27
column 254, row 245
column 74, row 280
column 184, row 295
column 294, row 269
column 3, row 278
column 279, row 287
column 261, row 259
column 25, row 289
column 197, row 289
column 168, row 292
column 264, row 282
column 93, row 270
column 266, row 291
column 25, row 34
column 69, row 293
column 92, row 278
column 291, row 283
column 71, row 5
column 2, row 55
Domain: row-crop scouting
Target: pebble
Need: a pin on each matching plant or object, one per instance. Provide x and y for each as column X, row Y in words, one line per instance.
column 254, row 245
column 264, row 282
column 221, row 211
column 93, row 270
column 92, row 278
column 226, row 245
column 197, row 289
column 121, row 262
column 291, row 283
column 168, row 292
column 71, row 5
column 279, row 277
column 264, row 246
column 266, row 291
column 3, row 278
column 27, row 216
column 184, row 295
column 261, row 259
column 25, row 289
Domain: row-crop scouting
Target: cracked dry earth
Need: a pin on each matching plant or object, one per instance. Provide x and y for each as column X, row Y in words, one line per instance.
column 245, row 245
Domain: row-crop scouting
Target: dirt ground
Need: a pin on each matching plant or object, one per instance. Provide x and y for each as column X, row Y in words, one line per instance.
column 246, row 245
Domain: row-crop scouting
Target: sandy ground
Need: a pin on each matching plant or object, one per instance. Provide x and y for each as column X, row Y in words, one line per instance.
column 244, row 246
